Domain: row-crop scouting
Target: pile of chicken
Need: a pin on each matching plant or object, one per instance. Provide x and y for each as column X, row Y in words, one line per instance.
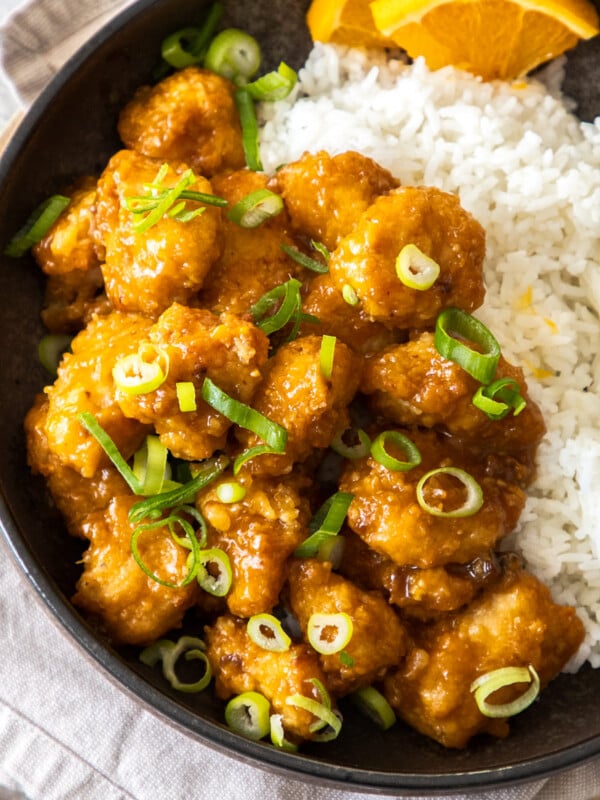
column 433, row 605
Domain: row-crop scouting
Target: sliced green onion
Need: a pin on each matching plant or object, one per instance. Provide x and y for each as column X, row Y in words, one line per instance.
column 326, row 522
column 380, row 454
column 289, row 294
column 142, row 372
column 346, row 659
column 248, row 715
column 191, row 541
column 149, row 465
column 37, row 225
column 275, row 85
column 508, row 392
column 186, row 396
column 304, row 260
column 278, row 734
column 452, row 323
column 360, row 449
column 169, row 652
column 415, row 269
column 207, row 472
column 244, row 416
column 324, row 715
column 332, row 550
column 485, row 685
column 230, row 492
column 234, row 54
column 320, row 248
column 92, row 426
column 374, row 705
column 51, row 350
column 214, row 573
column 329, row 633
column 349, row 295
column 165, row 202
column 249, row 454
column 188, row 46
column 257, row 207
column 473, row 500
column 326, row 356
column 249, row 123
column 265, row 630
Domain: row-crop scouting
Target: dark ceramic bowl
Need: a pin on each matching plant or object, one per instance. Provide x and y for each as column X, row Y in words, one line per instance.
column 70, row 131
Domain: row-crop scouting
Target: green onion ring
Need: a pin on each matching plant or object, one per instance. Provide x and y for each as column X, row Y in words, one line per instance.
column 473, row 501
column 37, row 225
column 244, row 416
column 186, row 396
column 324, row 715
column 218, row 585
column 265, row 630
column 256, row 208
column 275, row 85
column 230, row 492
column 190, row 537
column 326, row 523
column 358, row 450
column 483, row 686
column 248, row 715
column 452, row 323
column 249, row 123
column 250, row 453
column 169, row 652
column 51, row 349
column 142, row 372
column 415, row 269
column 278, row 734
column 326, row 355
column 289, row 294
column 234, row 54
column 349, row 295
column 149, row 465
column 320, row 636
column 173, row 49
column 380, row 454
column 373, row 704
column 508, row 392
column 304, row 260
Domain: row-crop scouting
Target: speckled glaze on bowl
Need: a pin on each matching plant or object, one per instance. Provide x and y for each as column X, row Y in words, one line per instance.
column 70, row 131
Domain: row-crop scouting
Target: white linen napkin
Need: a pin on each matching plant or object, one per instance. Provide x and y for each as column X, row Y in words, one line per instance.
column 67, row 731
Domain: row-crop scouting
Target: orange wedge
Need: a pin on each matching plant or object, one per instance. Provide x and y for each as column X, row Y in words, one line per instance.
column 349, row 22
column 491, row 38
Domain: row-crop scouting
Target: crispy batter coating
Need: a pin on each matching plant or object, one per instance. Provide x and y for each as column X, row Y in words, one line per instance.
column 258, row 534
column 379, row 640
column 336, row 317
column 295, row 394
column 252, row 261
column 240, row 665
column 227, row 349
column 148, row 271
column 189, row 116
column 436, row 223
column 515, row 623
column 131, row 607
column 73, row 298
column 412, row 384
column 420, row 593
column 85, row 383
column 386, row 514
column 325, row 195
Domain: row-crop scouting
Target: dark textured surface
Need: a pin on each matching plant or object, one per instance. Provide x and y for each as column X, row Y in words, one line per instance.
column 71, row 131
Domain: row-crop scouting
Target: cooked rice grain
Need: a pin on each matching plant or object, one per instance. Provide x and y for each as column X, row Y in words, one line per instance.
column 529, row 171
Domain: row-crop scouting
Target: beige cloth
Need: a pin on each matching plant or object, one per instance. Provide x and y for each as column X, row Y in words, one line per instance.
column 66, row 731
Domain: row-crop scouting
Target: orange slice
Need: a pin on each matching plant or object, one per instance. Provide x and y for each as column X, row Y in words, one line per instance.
column 349, row 22
column 491, row 38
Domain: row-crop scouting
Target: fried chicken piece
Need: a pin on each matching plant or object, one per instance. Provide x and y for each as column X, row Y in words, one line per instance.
column 240, row 665
column 513, row 624
column 74, row 496
column 131, row 607
column 379, row 640
column 436, row 224
column 412, row 384
column 336, row 317
column 72, row 299
column 85, row 383
column 227, row 349
column 189, row 116
column 295, row 394
column 325, row 195
column 258, row 533
column 420, row 593
column 149, row 270
column 252, row 261
column 385, row 512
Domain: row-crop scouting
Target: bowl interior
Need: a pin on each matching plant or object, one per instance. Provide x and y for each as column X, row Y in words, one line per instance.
column 70, row 132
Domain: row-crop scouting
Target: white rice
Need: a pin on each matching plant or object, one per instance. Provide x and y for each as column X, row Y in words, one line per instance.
column 529, row 171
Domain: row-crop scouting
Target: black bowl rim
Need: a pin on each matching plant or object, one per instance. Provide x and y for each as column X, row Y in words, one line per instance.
column 62, row 613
